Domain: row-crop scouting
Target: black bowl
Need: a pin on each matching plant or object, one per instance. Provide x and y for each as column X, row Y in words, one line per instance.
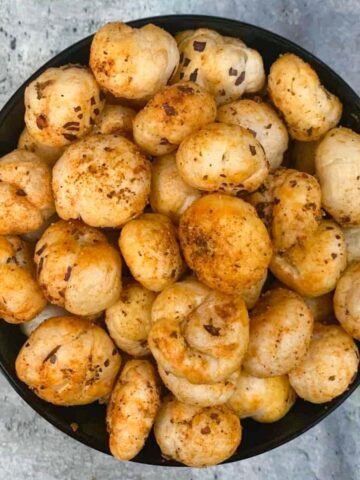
column 257, row 438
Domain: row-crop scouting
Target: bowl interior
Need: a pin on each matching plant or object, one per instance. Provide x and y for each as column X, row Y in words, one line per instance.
column 257, row 438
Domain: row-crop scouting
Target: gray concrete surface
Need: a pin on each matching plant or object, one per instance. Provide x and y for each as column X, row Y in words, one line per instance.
column 30, row 33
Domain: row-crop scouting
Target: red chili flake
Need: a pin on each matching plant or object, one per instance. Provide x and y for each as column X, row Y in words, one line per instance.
column 41, row 121
column 252, row 149
column 77, row 109
column 334, row 255
column 71, row 124
column 240, row 79
column 114, row 352
column 181, row 76
column 187, row 62
column 214, row 416
column 199, row 46
column 169, row 110
column 107, row 363
column 276, row 201
column 92, row 101
column 222, row 93
column 185, row 89
column 80, row 116
column 205, row 430
column 193, row 75
column 181, row 57
column 96, row 111
column 91, row 121
column 67, row 274
column 233, row 72
column 215, row 332
column 174, row 335
column 164, row 141
column 20, row 192
column 69, row 136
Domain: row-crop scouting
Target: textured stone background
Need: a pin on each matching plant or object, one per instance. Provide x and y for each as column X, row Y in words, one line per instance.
column 31, row 32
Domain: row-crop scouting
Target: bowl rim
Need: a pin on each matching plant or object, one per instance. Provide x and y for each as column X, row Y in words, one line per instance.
column 21, row 389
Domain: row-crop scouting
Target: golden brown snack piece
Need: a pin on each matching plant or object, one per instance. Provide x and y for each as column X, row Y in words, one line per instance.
column 295, row 89
column 225, row 66
column 206, row 345
column 150, row 250
column 329, row 367
column 281, row 326
column 133, row 63
column 171, row 115
column 347, row 300
column 61, row 105
column 225, row 243
column 26, row 199
column 103, row 180
column 196, row 436
column 338, row 169
column 263, row 122
column 129, row 319
column 20, row 296
column 68, row 361
column 133, row 405
column 77, row 268
column 290, row 204
column 115, row 119
column 266, row 400
column 221, row 157
column 47, row 152
column 313, row 266
column 176, row 303
column 303, row 156
column 169, row 194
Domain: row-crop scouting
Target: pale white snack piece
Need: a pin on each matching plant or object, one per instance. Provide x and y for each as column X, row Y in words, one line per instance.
column 222, row 158
column 169, row 194
column 129, row 319
column 338, row 170
column 265, row 400
column 151, row 251
column 328, row 368
column 196, row 436
column 347, row 300
column 308, row 108
column 263, row 122
column 133, row 63
column 133, row 405
column 225, row 66
column 281, row 326
column 61, row 105
column 26, row 198
column 103, row 180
